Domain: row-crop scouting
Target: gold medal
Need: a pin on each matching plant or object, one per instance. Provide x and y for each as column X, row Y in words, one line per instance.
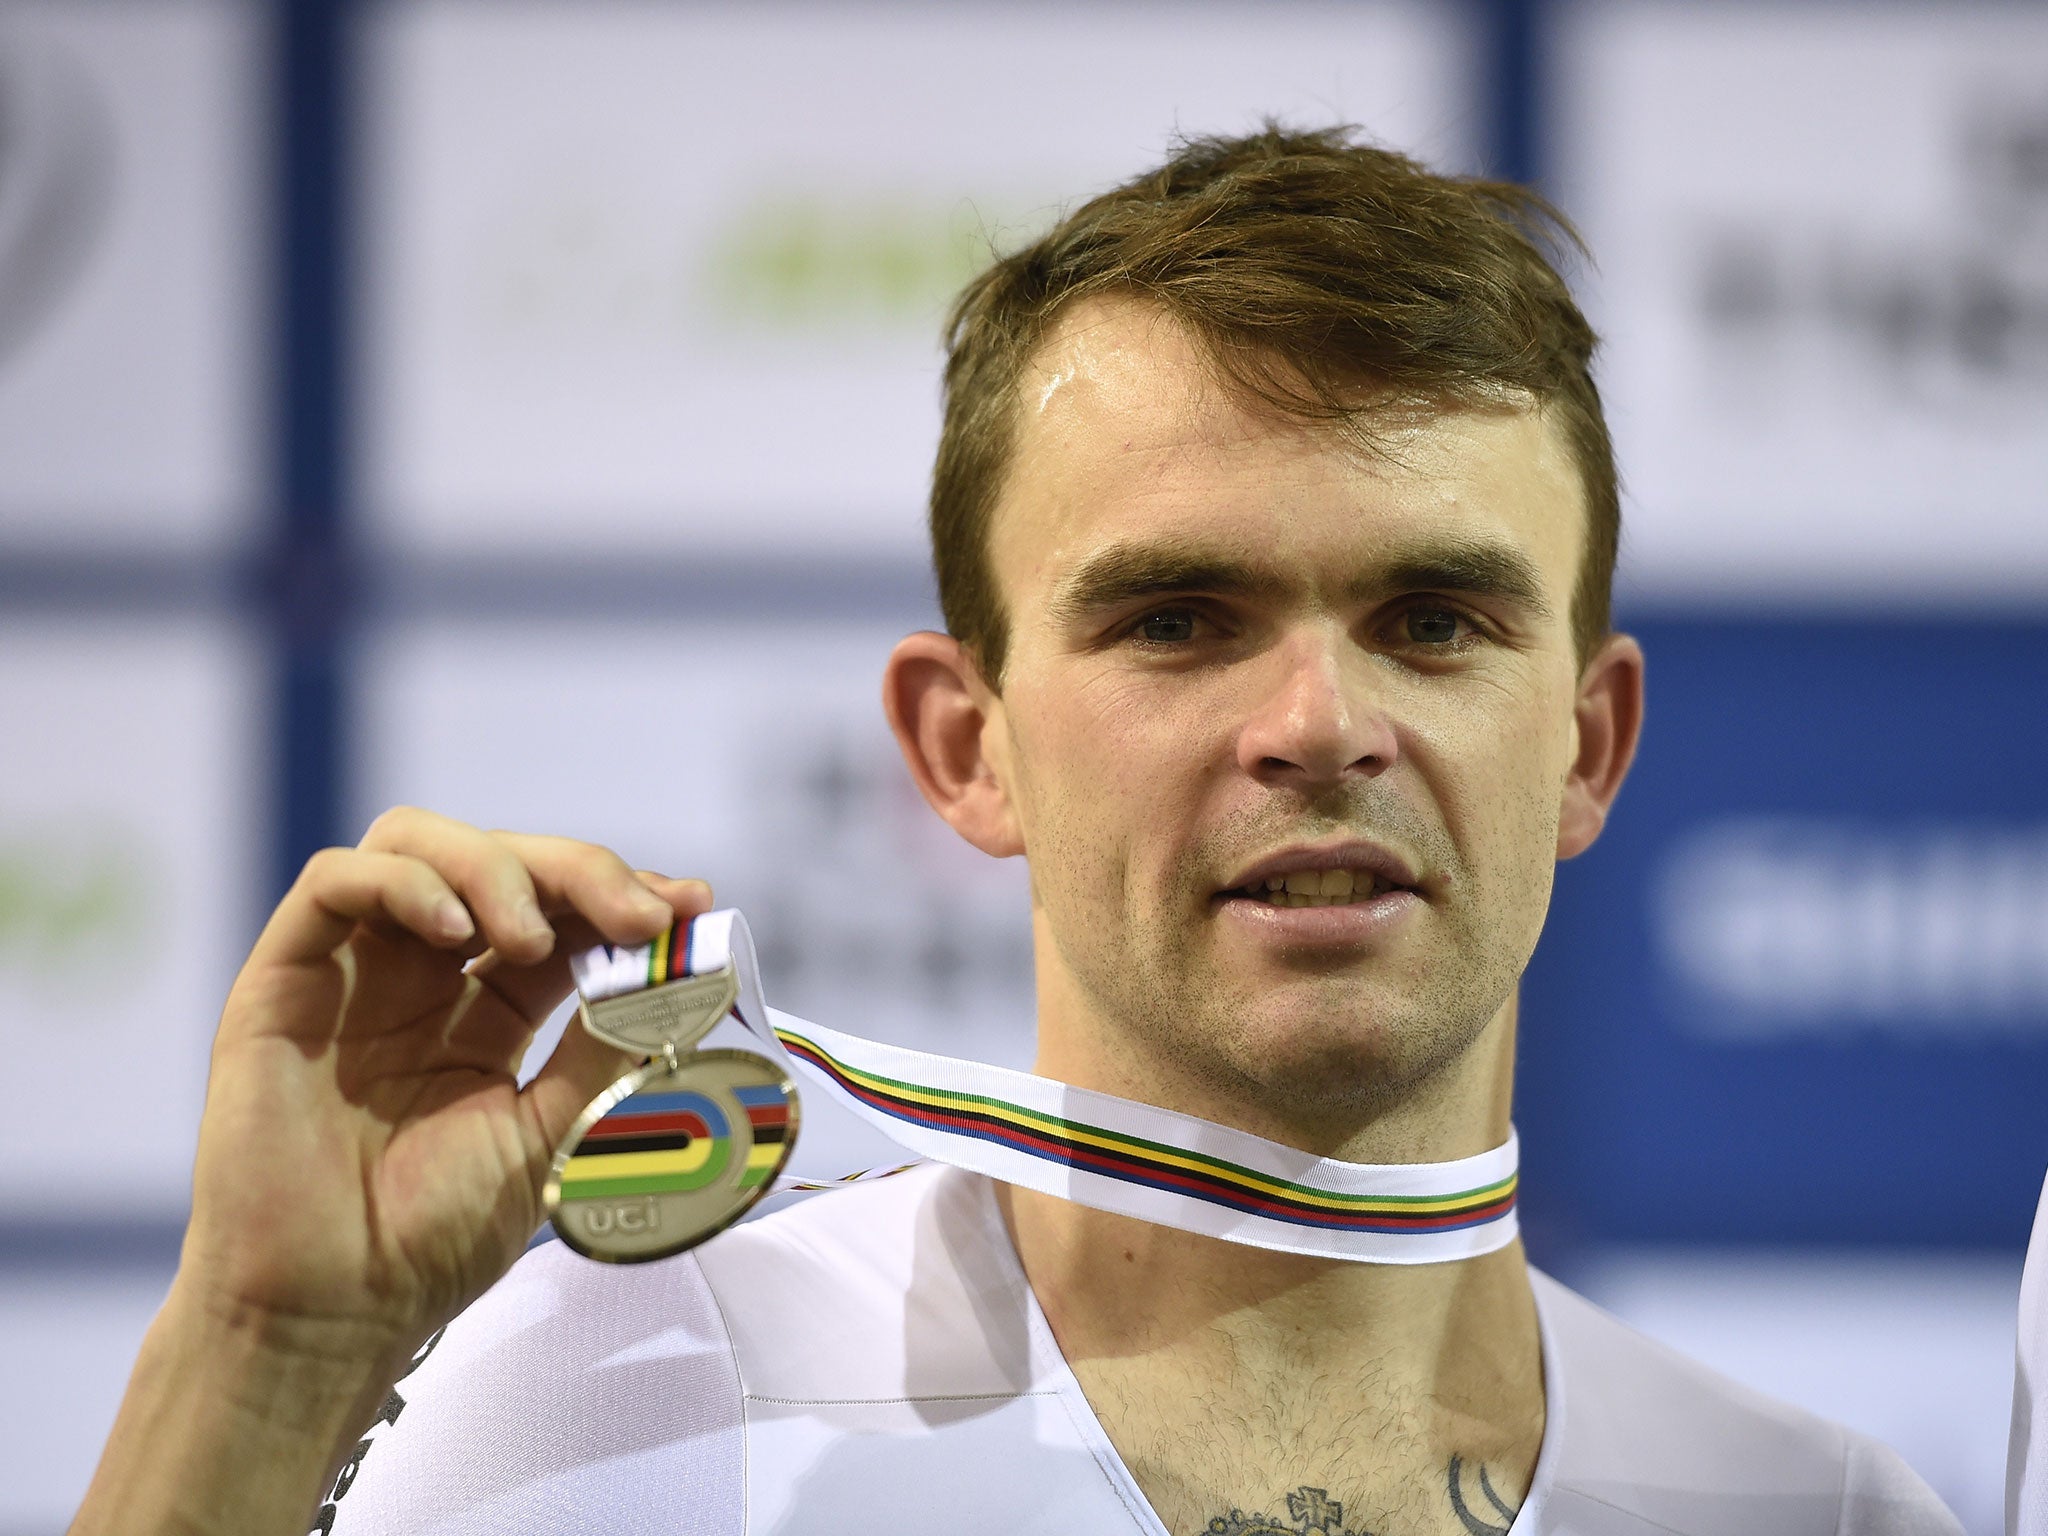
column 663, row 1017
column 671, row 1154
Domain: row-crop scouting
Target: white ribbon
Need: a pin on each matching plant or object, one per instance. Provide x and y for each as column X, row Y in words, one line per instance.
column 1110, row 1153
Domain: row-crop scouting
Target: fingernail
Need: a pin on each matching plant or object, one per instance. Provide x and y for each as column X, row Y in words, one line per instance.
column 452, row 918
column 527, row 919
column 650, row 906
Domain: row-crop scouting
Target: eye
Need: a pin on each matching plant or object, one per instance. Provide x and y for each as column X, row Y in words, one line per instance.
column 1169, row 626
column 1432, row 626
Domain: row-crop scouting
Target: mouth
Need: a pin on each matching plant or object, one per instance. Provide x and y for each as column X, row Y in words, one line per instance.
column 1318, row 888
column 1338, row 899
column 1354, row 873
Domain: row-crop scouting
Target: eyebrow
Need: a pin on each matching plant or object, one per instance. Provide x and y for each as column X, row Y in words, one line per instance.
column 1127, row 573
column 1470, row 567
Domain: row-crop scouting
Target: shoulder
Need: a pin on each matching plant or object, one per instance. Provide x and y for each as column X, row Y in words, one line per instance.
column 571, row 1387
column 1651, row 1436
column 903, row 1288
column 533, row 1408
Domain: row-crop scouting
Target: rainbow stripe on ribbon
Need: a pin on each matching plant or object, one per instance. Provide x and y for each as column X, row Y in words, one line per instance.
column 768, row 1118
column 1152, row 1164
column 666, row 959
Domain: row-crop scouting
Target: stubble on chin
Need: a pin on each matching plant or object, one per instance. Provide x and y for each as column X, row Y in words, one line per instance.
column 1320, row 1043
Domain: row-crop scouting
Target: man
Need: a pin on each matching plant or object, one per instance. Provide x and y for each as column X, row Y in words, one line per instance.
column 1274, row 520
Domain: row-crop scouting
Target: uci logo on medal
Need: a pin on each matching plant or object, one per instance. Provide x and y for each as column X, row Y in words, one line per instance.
column 600, row 1219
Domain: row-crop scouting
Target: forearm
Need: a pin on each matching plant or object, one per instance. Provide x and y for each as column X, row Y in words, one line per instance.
column 233, row 1424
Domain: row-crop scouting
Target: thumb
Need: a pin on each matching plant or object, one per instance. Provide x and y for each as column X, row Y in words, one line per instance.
column 580, row 1067
column 583, row 1066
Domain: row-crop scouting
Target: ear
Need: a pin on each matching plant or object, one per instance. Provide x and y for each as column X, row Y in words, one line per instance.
column 1607, row 721
column 955, row 739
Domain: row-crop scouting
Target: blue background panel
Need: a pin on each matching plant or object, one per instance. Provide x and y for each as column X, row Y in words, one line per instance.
column 1882, row 791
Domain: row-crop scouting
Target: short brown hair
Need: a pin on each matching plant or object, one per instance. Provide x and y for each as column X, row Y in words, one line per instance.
column 1309, row 266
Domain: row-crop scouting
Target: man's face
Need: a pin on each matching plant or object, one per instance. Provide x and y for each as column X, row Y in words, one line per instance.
column 1244, row 652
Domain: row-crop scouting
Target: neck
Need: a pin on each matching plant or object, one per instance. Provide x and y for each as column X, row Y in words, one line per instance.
column 1431, row 1113
column 1118, row 1289
column 1153, row 1315
column 1114, row 1285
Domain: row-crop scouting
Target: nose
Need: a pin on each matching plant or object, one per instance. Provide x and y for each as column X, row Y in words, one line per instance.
column 1316, row 720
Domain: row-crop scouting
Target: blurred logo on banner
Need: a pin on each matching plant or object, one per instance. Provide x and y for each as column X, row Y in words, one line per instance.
column 1819, row 926
column 132, row 247
column 68, row 893
column 935, row 941
column 808, row 262
column 126, row 886
column 685, row 267
column 1949, row 313
column 1823, row 280
column 56, row 179
column 801, row 260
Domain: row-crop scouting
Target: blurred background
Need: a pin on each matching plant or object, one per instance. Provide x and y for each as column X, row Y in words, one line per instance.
column 524, row 410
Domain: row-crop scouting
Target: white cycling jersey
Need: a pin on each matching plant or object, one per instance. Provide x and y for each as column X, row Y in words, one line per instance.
column 2026, row 1467
column 873, row 1360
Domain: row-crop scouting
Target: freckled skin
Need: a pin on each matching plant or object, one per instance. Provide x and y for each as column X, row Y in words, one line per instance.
column 1143, row 778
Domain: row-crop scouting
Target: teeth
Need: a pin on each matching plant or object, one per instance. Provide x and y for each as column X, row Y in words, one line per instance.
column 1320, row 888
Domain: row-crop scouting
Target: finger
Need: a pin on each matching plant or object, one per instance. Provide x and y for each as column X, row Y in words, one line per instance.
column 691, row 895
column 341, row 887
column 593, row 883
column 535, row 990
column 561, row 875
column 490, row 878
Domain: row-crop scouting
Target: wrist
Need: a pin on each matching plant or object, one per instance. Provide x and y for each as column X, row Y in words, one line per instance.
column 294, row 1370
column 235, row 1419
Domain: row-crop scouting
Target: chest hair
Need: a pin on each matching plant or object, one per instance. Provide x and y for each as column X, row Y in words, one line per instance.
column 1217, row 1453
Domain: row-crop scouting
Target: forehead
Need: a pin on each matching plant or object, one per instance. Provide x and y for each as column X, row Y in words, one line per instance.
column 1125, row 435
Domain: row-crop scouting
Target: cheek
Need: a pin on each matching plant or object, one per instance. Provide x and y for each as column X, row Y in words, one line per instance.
column 1496, row 765
column 1110, row 736
column 1105, row 769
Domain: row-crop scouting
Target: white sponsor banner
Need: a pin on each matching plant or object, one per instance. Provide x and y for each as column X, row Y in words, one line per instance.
column 130, row 245
column 1822, row 235
column 127, row 895
column 1912, row 1348
column 752, row 755
column 673, row 276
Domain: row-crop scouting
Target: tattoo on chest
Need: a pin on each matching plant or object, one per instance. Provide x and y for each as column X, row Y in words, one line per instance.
column 1494, row 1515
column 1308, row 1509
column 1312, row 1512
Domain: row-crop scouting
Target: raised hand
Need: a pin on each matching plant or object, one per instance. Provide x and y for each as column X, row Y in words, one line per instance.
column 367, row 1162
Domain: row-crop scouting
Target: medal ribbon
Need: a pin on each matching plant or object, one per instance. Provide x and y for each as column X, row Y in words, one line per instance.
column 1098, row 1150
